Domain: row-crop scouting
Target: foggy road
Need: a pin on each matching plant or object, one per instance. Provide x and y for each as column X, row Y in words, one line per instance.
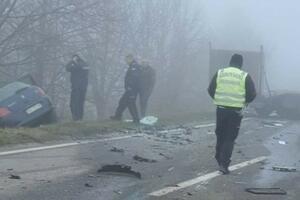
column 178, row 157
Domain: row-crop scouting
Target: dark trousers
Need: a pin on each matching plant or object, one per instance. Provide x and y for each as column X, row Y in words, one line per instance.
column 144, row 97
column 128, row 100
column 77, row 103
column 227, row 129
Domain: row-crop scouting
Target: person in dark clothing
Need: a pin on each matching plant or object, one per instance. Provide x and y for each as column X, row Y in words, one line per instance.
column 79, row 81
column 132, row 88
column 148, row 78
column 232, row 89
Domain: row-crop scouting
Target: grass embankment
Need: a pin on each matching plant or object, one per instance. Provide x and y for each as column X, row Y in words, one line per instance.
column 85, row 129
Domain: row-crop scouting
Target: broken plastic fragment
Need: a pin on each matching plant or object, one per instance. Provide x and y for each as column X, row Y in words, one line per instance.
column 282, row 142
column 284, row 169
column 149, row 120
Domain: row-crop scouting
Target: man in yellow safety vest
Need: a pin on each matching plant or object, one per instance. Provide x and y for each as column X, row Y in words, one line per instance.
column 231, row 89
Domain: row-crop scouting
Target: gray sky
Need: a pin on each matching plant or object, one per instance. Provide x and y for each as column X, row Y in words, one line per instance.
column 246, row 24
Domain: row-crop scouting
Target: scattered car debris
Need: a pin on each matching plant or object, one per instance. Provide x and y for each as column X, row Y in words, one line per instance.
column 43, row 180
column 141, row 159
column 123, row 169
column 239, row 151
column 88, row 185
column 13, row 176
column 267, row 191
column 189, row 194
column 240, row 182
column 189, row 131
column 92, row 176
column 188, row 140
column 200, row 187
column 115, row 149
column 282, row 142
column 284, row 169
column 165, row 156
column 272, row 124
column 210, row 133
column 172, row 185
column 171, row 169
column 117, row 192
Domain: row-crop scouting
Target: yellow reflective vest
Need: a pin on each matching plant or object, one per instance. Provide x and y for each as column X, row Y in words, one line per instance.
column 231, row 88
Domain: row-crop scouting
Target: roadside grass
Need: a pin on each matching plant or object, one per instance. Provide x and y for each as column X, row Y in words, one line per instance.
column 60, row 131
column 85, row 129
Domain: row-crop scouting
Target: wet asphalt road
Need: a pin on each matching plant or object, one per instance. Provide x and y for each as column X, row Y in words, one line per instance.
column 71, row 173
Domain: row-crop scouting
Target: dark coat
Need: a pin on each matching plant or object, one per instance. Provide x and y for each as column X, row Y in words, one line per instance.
column 148, row 79
column 79, row 74
column 133, row 77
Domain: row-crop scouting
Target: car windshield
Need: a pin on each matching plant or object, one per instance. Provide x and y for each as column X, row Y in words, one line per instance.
column 11, row 89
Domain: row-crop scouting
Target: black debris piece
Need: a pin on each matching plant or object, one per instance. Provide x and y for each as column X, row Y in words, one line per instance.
column 12, row 176
column 123, row 169
column 88, row 185
column 141, row 159
column 239, row 151
column 165, row 156
column 189, row 140
column 267, row 191
column 190, row 194
column 115, row 149
column 117, row 192
column 172, row 185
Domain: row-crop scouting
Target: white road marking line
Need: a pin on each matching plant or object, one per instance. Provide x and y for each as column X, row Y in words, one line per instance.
column 171, row 130
column 246, row 119
column 66, row 145
column 213, row 124
column 203, row 178
column 204, row 125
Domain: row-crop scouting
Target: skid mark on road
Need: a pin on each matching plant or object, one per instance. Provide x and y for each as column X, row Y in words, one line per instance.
column 203, row 178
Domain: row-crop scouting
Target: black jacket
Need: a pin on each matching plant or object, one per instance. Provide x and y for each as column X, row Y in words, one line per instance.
column 133, row 77
column 250, row 88
column 79, row 74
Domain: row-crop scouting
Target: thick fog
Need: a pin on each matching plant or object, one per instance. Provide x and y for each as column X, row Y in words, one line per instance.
column 248, row 24
column 38, row 37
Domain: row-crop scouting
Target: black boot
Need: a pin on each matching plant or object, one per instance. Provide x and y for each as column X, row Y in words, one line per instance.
column 223, row 169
